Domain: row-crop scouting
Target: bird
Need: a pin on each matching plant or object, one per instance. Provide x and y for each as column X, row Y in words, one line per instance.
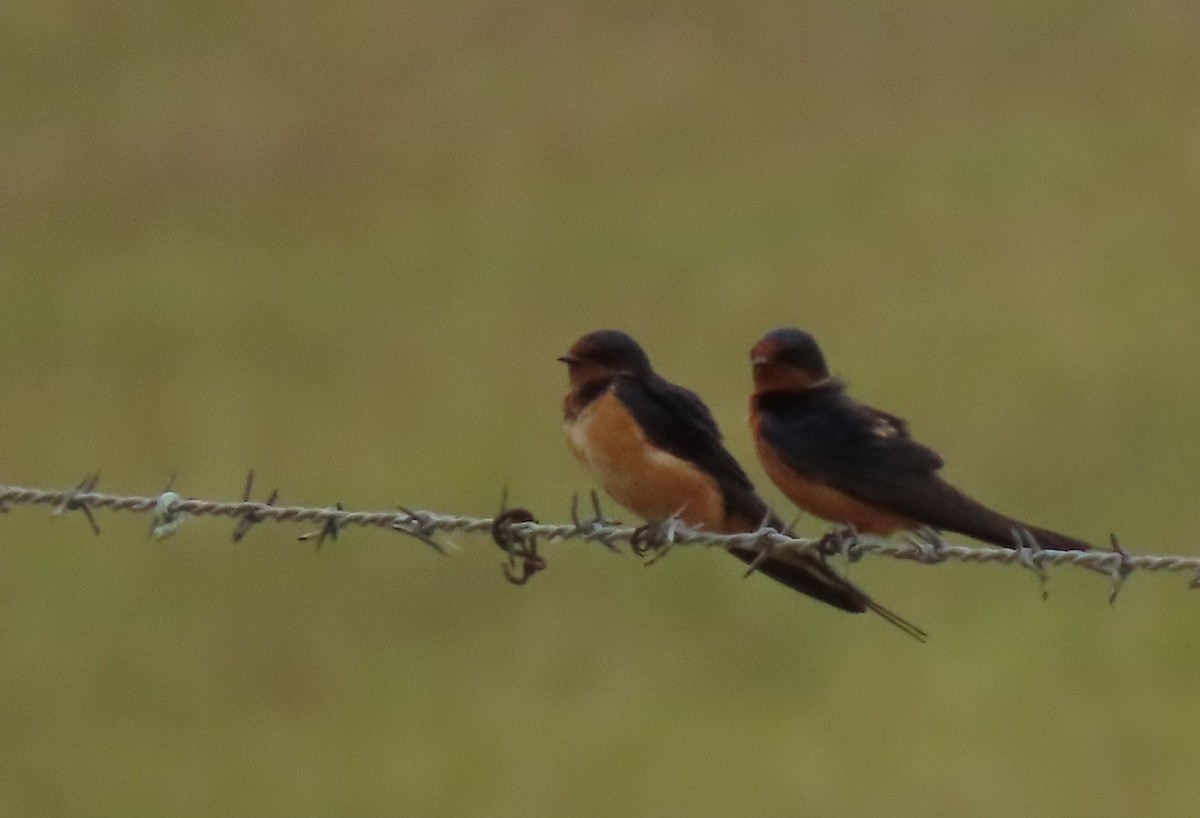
column 857, row 466
column 656, row 450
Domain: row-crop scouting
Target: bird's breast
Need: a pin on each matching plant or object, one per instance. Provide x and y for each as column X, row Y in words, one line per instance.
column 652, row 483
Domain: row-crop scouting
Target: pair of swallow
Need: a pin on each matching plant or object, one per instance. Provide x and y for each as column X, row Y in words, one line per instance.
column 656, row 450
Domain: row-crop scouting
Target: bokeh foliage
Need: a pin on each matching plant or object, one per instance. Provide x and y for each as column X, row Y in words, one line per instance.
column 344, row 244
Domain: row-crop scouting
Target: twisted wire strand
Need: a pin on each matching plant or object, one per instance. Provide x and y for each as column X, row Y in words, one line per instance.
column 169, row 509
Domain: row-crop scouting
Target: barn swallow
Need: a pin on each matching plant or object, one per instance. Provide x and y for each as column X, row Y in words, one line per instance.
column 854, row 465
column 656, row 450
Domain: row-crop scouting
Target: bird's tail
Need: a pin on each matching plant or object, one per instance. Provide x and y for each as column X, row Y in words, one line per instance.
column 1052, row 540
column 965, row 515
column 808, row 573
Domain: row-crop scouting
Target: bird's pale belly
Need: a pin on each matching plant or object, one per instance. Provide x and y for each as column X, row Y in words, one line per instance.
column 648, row 481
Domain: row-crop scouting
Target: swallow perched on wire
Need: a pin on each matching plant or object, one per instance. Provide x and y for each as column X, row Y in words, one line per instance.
column 854, row 465
column 656, row 450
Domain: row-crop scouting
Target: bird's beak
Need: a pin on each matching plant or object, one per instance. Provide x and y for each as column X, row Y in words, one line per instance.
column 568, row 358
column 757, row 360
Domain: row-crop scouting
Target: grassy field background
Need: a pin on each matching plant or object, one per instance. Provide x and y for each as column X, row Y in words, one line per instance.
column 344, row 245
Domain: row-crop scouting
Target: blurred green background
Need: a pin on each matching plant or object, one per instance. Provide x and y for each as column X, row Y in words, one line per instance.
column 344, row 244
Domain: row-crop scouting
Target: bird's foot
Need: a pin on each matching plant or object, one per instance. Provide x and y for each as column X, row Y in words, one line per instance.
column 839, row 541
column 654, row 539
column 598, row 518
column 595, row 524
column 646, row 538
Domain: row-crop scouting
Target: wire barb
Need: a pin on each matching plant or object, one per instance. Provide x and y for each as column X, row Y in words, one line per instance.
column 1120, row 569
column 251, row 516
column 71, row 500
column 418, row 525
column 423, row 525
column 329, row 528
column 596, row 524
column 1028, row 554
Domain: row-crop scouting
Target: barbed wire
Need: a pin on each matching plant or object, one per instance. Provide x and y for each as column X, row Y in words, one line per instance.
column 517, row 532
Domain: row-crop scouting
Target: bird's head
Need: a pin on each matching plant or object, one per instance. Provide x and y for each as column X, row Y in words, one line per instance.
column 604, row 354
column 787, row 360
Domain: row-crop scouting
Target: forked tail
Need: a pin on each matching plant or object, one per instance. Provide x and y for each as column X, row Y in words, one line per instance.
column 810, row 575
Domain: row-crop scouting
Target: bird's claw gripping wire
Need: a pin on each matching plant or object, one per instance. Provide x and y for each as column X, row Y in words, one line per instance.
column 765, row 544
column 840, row 542
column 655, row 539
column 930, row 546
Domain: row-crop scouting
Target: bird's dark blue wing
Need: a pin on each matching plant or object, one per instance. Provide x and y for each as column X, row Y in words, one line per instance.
column 675, row 420
column 825, row 436
column 857, row 450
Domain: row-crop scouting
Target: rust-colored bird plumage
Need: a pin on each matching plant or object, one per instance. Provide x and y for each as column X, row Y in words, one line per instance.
column 656, row 449
column 854, row 465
